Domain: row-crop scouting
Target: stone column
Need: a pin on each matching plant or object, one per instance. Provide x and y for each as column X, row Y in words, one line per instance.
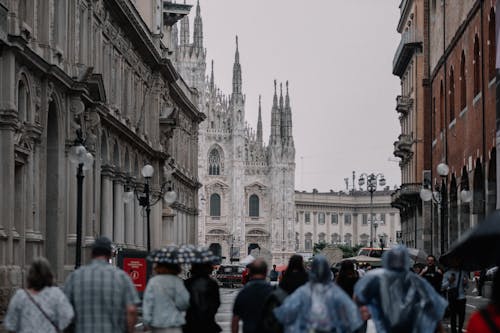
column 107, row 201
column 118, row 210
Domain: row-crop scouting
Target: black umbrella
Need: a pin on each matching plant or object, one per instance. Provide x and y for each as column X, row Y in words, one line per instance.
column 171, row 255
column 478, row 248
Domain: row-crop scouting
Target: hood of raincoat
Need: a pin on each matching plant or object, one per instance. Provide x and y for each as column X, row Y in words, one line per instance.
column 320, row 270
column 398, row 299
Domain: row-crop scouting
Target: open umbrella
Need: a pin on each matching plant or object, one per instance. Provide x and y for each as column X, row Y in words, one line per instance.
column 203, row 255
column 167, row 255
column 417, row 255
column 478, row 248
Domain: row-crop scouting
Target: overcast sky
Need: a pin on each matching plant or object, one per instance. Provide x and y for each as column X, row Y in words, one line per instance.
column 337, row 56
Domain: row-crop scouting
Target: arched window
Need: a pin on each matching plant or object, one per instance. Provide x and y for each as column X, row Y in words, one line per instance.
column 491, row 45
column 452, row 94
column 214, row 165
column 463, row 83
column 348, row 239
column 477, row 84
column 23, row 102
column 308, row 242
column 335, row 238
column 253, row 204
column 441, row 107
column 321, row 237
column 364, row 239
column 215, row 205
column 216, row 249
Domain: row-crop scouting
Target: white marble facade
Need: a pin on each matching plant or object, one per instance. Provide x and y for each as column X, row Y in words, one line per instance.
column 247, row 197
column 344, row 218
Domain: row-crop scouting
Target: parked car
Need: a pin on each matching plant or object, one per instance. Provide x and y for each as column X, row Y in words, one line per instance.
column 230, row 276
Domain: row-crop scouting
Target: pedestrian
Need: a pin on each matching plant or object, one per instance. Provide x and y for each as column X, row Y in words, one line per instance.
column 455, row 283
column 165, row 299
column 293, row 277
column 104, row 297
column 347, row 277
column 295, row 274
column 319, row 305
column 432, row 273
column 250, row 300
column 273, row 274
column 42, row 307
column 204, row 300
column 487, row 320
column 397, row 299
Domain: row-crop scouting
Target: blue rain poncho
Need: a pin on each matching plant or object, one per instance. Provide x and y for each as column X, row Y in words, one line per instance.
column 319, row 305
column 398, row 299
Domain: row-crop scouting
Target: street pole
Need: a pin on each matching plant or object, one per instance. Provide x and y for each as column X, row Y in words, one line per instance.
column 79, row 197
column 148, row 213
column 444, row 215
column 371, row 218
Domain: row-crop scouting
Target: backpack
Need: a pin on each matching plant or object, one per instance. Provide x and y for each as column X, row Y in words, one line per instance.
column 269, row 323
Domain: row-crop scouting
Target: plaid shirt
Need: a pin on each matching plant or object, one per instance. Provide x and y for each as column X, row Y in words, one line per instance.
column 100, row 294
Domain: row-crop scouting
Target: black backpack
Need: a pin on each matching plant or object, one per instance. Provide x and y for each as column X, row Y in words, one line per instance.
column 269, row 323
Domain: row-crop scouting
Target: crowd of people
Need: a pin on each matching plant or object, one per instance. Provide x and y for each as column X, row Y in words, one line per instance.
column 394, row 299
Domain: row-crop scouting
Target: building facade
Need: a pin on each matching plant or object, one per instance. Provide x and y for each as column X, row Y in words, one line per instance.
column 246, row 201
column 459, row 46
column 411, row 66
column 91, row 67
column 345, row 218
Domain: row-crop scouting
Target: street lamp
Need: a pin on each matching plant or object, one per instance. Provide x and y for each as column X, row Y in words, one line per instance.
column 84, row 160
column 372, row 181
column 440, row 197
column 147, row 199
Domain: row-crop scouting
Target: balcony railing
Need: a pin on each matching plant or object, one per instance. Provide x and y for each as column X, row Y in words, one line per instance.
column 403, row 104
column 411, row 41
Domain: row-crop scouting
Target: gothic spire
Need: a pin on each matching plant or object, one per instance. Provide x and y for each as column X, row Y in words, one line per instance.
column 237, row 71
column 185, row 30
column 198, row 28
column 275, row 120
column 282, row 115
column 288, row 117
column 212, row 83
column 259, row 125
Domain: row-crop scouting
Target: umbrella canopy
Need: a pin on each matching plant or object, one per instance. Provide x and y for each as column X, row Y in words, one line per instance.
column 203, row 255
column 167, row 255
column 478, row 248
column 417, row 255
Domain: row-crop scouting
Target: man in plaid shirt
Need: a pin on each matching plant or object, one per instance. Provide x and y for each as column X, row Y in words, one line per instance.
column 103, row 297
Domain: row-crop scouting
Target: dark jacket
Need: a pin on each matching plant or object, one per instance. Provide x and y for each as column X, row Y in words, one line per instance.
column 204, row 302
column 292, row 280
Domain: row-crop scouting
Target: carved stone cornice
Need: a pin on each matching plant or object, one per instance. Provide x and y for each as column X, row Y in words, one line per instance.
column 8, row 120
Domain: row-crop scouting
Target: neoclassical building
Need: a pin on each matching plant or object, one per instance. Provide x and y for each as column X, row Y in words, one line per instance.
column 247, row 197
column 95, row 67
column 344, row 218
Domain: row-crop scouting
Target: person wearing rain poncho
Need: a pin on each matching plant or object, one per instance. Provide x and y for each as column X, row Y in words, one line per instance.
column 398, row 299
column 319, row 305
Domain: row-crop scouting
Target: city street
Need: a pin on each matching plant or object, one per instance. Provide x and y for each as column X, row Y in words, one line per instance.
column 225, row 312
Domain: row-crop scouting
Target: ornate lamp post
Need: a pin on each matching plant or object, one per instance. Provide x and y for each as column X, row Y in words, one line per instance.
column 84, row 160
column 147, row 198
column 440, row 197
column 372, row 181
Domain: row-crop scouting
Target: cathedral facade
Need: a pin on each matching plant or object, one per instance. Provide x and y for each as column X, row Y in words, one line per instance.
column 246, row 203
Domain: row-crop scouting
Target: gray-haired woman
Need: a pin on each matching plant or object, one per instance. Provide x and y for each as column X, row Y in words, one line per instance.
column 40, row 308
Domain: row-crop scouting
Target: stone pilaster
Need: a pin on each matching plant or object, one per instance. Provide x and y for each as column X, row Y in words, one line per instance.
column 107, row 221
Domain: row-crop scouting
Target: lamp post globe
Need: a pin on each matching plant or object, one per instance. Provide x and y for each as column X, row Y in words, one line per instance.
column 147, row 171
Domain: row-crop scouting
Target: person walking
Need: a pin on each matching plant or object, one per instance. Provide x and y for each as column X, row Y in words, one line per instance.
column 104, row 297
column 397, row 299
column 455, row 283
column 295, row 274
column 42, row 307
column 347, row 277
column 273, row 274
column 319, row 305
column 165, row 299
column 487, row 320
column 250, row 300
column 432, row 273
column 204, row 300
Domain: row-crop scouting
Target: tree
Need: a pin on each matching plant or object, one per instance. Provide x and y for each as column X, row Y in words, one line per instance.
column 318, row 247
